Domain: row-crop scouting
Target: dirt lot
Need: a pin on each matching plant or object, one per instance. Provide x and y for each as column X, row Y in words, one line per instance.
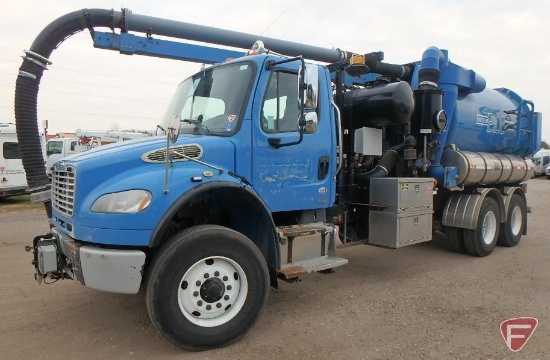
column 413, row 303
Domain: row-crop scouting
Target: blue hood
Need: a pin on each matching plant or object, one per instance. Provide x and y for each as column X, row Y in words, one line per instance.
column 119, row 167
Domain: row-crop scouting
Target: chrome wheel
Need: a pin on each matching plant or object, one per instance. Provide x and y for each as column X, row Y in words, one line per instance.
column 489, row 227
column 516, row 221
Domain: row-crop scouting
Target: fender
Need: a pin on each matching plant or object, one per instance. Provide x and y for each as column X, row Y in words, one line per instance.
column 462, row 210
column 243, row 200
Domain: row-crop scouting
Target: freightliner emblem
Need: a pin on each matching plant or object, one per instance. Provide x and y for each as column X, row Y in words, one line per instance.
column 61, row 166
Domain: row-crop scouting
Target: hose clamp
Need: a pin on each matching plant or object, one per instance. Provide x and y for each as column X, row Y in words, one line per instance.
column 36, row 58
column 27, row 74
column 429, row 83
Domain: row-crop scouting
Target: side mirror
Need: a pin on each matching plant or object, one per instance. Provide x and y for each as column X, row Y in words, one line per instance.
column 311, row 122
column 174, row 129
column 310, row 86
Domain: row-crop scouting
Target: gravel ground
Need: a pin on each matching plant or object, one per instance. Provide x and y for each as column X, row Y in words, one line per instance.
column 419, row 302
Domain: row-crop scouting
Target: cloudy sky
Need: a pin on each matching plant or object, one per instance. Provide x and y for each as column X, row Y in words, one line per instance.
column 505, row 41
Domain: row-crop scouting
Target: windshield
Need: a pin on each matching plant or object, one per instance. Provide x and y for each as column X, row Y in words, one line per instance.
column 211, row 101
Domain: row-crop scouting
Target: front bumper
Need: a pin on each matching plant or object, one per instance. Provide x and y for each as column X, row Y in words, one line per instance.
column 112, row 270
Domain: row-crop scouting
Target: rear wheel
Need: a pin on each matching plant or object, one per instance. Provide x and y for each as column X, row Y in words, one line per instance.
column 206, row 287
column 512, row 229
column 482, row 240
column 455, row 239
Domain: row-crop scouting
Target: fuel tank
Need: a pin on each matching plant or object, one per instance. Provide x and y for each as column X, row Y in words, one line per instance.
column 487, row 168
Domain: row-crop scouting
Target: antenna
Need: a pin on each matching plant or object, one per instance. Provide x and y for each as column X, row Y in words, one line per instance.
column 271, row 23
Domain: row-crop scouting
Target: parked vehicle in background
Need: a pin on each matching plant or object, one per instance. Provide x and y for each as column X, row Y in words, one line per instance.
column 541, row 160
column 12, row 174
column 58, row 148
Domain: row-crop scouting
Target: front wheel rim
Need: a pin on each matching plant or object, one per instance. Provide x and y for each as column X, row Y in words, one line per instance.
column 489, row 227
column 212, row 291
column 516, row 221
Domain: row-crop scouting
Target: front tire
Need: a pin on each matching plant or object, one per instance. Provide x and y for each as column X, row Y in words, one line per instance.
column 206, row 287
column 512, row 229
column 482, row 240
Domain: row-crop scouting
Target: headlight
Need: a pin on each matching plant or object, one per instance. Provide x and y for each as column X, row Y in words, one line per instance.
column 124, row 202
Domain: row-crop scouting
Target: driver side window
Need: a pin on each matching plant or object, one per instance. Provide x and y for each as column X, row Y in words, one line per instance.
column 280, row 111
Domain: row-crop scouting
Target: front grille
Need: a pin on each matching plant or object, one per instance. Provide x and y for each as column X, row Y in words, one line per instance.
column 63, row 189
column 177, row 153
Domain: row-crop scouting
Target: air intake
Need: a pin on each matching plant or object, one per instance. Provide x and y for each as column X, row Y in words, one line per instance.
column 177, row 153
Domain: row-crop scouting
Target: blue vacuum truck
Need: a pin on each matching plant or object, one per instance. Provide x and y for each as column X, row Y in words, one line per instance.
column 268, row 161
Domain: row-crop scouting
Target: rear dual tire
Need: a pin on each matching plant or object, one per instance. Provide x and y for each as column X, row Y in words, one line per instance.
column 455, row 239
column 489, row 230
column 516, row 220
column 482, row 240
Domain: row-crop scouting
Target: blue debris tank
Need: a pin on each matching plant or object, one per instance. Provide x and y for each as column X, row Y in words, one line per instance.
column 488, row 133
column 496, row 121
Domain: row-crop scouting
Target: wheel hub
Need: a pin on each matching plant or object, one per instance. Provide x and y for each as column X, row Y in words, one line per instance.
column 489, row 227
column 516, row 221
column 212, row 290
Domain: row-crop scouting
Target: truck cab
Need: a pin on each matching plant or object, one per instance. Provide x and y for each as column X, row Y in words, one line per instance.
column 239, row 134
column 58, row 148
column 256, row 112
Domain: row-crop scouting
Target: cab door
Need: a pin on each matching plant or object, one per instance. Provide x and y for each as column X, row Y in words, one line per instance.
column 295, row 177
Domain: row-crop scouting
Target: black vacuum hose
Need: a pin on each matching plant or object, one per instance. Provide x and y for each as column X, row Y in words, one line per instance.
column 385, row 166
column 28, row 83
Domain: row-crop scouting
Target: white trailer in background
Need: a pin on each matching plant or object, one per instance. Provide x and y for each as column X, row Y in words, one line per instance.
column 13, row 180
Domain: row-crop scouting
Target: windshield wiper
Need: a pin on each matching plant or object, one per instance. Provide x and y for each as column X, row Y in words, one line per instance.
column 197, row 122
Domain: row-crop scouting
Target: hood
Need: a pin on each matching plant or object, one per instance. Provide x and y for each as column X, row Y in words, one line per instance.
column 100, row 166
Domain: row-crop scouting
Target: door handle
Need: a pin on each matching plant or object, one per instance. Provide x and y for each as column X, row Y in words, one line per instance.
column 322, row 169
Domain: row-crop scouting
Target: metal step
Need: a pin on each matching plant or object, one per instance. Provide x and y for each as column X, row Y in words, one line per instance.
column 295, row 269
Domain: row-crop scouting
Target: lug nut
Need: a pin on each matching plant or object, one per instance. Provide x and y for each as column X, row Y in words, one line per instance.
column 199, row 303
column 218, row 305
column 226, row 297
column 217, row 273
column 206, row 275
column 229, row 287
column 198, row 283
column 225, row 278
column 196, row 293
column 208, row 307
